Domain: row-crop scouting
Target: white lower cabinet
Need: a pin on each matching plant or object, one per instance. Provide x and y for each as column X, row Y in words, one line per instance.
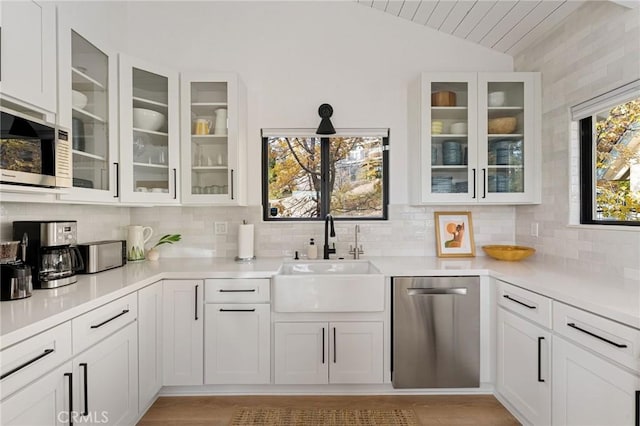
column 182, row 337
column 106, row 380
column 590, row 391
column 44, row 402
column 328, row 352
column 149, row 344
column 523, row 374
column 237, row 344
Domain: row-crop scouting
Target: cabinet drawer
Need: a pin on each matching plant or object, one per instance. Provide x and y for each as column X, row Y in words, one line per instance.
column 530, row 305
column 28, row 360
column 611, row 339
column 243, row 290
column 97, row 324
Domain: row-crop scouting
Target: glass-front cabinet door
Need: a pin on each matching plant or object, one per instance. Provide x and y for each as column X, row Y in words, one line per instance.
column 211, row 172
column 448, row 132
column 87, row 107
column 509, row 141
column 149, row 135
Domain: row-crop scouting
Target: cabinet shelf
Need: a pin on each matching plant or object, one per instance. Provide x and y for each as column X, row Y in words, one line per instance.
column 504, row 136
column 81, row 81
column 510, row 166
column 151, row 132
column 87, row 114
column 204, row 169
column 209, row 104
column 88, row 155
column 451, row 113
column 138, row 101
column 151, row 166
column 449, row 136
column 443, row 167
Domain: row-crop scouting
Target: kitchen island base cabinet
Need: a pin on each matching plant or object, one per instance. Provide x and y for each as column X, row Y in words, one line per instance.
column 149, row 344
column 43, row 402
column 589, row 391
column 182, row 332
column 106, row 380
column 328, row 352
column 237, row 344
column 523, row 360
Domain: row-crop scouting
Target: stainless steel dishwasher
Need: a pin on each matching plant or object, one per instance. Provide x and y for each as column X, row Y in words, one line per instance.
column 436, row 332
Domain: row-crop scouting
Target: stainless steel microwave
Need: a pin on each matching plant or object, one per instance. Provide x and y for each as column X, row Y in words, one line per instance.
column 33, row 152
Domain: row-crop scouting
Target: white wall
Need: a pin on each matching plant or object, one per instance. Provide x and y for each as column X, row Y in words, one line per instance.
column 293, row 56
column 593, row 51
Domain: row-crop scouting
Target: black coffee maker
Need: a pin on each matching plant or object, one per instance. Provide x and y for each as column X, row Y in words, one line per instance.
column 15, row 275
column 52, row 254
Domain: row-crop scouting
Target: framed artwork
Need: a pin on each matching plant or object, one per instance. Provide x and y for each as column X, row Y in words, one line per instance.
column 454, row 234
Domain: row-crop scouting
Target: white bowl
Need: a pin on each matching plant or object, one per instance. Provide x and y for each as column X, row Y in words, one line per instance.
column 78, row 99
column 496, row 99
column 147, row 119
column 459, row 128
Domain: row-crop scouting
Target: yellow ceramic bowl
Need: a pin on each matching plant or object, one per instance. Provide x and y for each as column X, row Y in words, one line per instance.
column 505, row 252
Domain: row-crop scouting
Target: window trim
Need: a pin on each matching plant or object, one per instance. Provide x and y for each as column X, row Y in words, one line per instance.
column 324, row 166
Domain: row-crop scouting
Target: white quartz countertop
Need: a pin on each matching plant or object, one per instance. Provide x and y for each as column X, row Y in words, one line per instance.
column 20, row 319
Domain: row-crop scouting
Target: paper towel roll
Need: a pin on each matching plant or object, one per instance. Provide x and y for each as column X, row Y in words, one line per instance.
column 245, row 242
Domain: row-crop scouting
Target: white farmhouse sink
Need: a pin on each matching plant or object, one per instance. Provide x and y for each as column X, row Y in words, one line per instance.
column 328, row 286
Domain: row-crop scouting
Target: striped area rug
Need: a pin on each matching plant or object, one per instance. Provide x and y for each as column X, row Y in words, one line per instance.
column 322, row 416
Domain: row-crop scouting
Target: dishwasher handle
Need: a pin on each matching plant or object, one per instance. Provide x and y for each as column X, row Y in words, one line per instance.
column 431, row 290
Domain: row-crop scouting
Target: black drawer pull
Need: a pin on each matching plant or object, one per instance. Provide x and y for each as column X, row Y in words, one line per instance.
column 86, row 388
column 506, row 296
column 70, row 376
column 637, row 408
column 323, row 345
column 26, row 364
column 540, row 379
column 238, row 310
column 617, row 345
column 110, row 319
column 222, row 290
column 195, row 301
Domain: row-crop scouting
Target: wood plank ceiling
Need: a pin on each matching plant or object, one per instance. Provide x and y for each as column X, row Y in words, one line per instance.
column 505, row 25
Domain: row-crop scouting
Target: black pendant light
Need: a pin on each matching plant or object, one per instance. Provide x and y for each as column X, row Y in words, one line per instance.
column 325, row 128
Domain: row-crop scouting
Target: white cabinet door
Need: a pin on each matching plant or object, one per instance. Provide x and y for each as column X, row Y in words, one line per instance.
column 106, row 379
column 356, row 352
column 149, row 343
column 301, row 353
column 149, row 133
column 44, row 402
column 214, row 141
column 28, row 52
column 523, row 367
column 589, row 391
column 237, row 344
column 88, row 67
column 182, row 332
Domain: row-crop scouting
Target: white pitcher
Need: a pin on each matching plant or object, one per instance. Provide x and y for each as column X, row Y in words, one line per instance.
column 221, row 122
column 137, row 236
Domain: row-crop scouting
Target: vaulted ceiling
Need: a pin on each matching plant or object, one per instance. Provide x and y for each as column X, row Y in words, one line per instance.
column 505, row 25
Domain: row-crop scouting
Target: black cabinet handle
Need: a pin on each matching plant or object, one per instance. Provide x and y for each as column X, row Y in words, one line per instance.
column 110, row 319
column 637, row 408
column 26, row 364
column 506, row 296
column 238, row 310
column 484, row 183
column 323, row 345
column 175, row 184
column 540, row 339
column 222, row 290
column 232, row 184
column 117, row 180
column 334, row 345
column 70, row 376
column 617, row 345
column 196, row 302
column 86, row 388
column 474, row 183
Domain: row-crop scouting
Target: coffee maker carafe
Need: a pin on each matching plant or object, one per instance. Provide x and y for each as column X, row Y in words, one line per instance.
column 15, row 275
column 51, row 252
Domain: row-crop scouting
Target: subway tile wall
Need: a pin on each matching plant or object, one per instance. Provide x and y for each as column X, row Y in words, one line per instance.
column 595, row 50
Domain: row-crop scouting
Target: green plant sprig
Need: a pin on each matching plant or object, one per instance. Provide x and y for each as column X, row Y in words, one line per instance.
column 168, row 239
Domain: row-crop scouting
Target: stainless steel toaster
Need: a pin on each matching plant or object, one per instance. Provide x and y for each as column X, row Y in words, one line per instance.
column 102, row 255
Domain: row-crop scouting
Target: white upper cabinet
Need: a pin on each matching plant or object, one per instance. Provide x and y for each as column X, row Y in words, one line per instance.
column 87, row 105
column 213, row 139
column 149, row 133
column 479, row 139
column 28, row 53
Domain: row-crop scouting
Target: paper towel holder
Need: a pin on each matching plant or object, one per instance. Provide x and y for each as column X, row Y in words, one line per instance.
column 245, row 259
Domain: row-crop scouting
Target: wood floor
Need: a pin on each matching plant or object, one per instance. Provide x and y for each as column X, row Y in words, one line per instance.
column 477, row 410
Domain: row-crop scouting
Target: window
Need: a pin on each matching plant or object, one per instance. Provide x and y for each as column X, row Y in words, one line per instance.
column 610, row 157
column 307, row 176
